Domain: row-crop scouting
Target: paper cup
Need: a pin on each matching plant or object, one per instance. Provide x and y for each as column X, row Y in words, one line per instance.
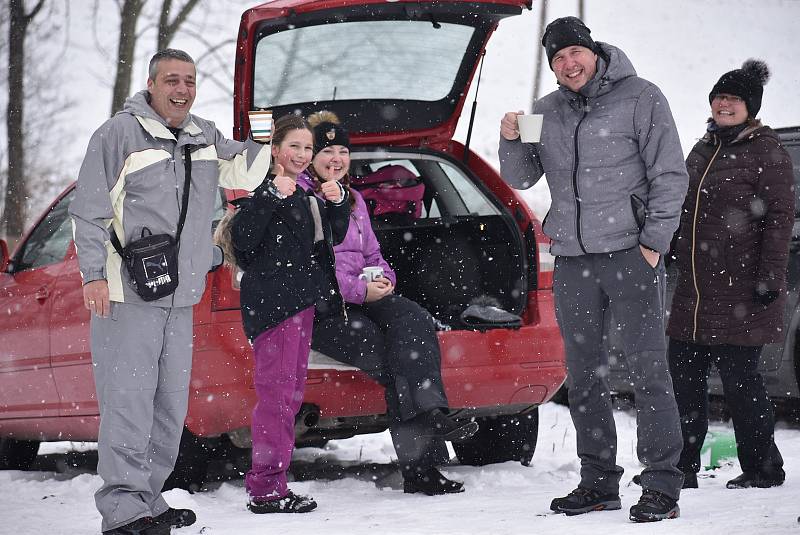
column 261, row 125
column 530, row 127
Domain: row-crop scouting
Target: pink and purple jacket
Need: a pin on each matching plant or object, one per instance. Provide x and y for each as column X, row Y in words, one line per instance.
column 360, row 248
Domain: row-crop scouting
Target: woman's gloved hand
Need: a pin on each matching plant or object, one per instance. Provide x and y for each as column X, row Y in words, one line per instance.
column 764, row 296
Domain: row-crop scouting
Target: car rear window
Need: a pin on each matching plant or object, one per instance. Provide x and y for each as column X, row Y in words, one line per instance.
column 359, row 60
column 449, row 192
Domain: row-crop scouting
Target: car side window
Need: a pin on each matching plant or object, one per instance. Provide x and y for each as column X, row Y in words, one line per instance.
column 469, row 196
column 48, row 242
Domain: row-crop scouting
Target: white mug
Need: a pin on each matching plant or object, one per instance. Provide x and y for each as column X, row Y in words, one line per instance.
column 370, row 273
column 530, row 127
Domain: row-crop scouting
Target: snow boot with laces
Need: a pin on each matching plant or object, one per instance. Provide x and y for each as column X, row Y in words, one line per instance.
column 291, row 503
column 654, row 506
column 582, row 500
column 176, row 518
column 141, row 526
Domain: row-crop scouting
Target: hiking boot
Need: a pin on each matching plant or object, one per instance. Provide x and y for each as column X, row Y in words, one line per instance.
column 431, row 482
column 761, row 480
column 141, row 526
column 583, row 500
column 654, row 506
column 437, row 424
column 291, row 503
column 176, row 518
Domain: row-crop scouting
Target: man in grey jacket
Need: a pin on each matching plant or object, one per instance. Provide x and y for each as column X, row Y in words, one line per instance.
column 132, row 178
column 617, row 179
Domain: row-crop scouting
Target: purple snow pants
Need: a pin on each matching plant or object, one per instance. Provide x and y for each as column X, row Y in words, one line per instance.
column 281, row 363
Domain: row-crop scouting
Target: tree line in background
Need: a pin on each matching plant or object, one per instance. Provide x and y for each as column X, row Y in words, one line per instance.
column 33, row 79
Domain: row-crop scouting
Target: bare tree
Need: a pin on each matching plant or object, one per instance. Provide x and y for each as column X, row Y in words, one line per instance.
column 128, row 38
column 537, row 66
column 167, row 28
column 126, row 46
column 581, row 10
column 16, row 191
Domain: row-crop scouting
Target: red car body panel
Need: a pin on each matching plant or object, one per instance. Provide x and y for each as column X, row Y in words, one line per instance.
column 46, row 383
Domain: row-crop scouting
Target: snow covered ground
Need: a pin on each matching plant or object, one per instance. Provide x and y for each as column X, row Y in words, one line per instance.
column 500, row 499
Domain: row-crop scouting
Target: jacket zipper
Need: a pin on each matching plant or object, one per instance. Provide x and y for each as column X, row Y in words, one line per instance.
column 694, row 238
column 360, row 234
column 585, row 102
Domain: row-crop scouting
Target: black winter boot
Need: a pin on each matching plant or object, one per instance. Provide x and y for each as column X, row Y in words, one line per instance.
column 141, row 526
column 431, row 482
column 583, row 500
column 176, row 518
column 761, row 480
column 291, row 503
column 654, row 506
column 689, row 480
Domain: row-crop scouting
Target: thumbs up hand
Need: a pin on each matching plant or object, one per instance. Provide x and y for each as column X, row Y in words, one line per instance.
column 331, row 191
column 284, row 184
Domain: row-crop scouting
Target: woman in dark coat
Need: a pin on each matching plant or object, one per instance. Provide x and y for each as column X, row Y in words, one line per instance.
column 390, row 337
column 731, row 251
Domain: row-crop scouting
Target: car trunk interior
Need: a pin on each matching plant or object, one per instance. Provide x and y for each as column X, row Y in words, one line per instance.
column 463, row 247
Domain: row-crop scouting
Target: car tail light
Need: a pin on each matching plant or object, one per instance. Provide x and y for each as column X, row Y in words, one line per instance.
column 546, row 265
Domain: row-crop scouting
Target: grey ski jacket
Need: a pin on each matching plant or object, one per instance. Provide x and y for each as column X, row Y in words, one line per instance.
column 613, row 161
column 132, row 177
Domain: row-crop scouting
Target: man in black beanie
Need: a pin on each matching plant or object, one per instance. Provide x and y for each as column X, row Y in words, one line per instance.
column 617, row 179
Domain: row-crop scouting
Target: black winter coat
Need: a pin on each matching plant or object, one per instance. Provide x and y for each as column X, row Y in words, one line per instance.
column 284, row 272
column 734, row 233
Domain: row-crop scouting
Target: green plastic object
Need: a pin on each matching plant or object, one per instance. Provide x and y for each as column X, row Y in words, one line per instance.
column 717, row 448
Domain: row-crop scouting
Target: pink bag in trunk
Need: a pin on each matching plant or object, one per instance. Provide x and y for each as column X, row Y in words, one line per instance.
column 391, row 191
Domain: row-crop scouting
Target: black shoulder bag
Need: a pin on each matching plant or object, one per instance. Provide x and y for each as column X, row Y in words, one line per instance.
column 152, row 260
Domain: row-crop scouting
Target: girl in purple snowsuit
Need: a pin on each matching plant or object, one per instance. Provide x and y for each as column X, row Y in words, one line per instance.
column 282, row 238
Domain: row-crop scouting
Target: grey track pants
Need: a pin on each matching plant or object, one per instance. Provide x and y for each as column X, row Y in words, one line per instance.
column 586, row 288
column 142, row 358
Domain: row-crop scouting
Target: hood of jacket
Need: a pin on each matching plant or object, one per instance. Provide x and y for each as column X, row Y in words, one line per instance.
column 750, row 132
column 139, row 105
column 613, row 66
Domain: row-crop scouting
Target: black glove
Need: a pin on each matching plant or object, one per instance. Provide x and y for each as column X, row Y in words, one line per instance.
column 764, row 296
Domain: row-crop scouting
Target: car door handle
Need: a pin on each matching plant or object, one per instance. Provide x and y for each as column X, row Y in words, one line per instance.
column 42, row 294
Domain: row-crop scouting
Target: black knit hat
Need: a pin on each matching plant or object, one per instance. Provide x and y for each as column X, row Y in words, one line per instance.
column 564, row 32
column 746, row 83
column 327, row 134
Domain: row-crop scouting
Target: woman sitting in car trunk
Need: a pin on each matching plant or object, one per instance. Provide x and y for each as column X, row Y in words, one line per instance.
column 731, row 251
column 388, row 336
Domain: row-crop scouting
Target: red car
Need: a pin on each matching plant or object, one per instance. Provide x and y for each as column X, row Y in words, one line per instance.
column 397, row 74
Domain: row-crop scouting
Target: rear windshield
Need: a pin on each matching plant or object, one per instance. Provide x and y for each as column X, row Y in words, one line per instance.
column 408, row 60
